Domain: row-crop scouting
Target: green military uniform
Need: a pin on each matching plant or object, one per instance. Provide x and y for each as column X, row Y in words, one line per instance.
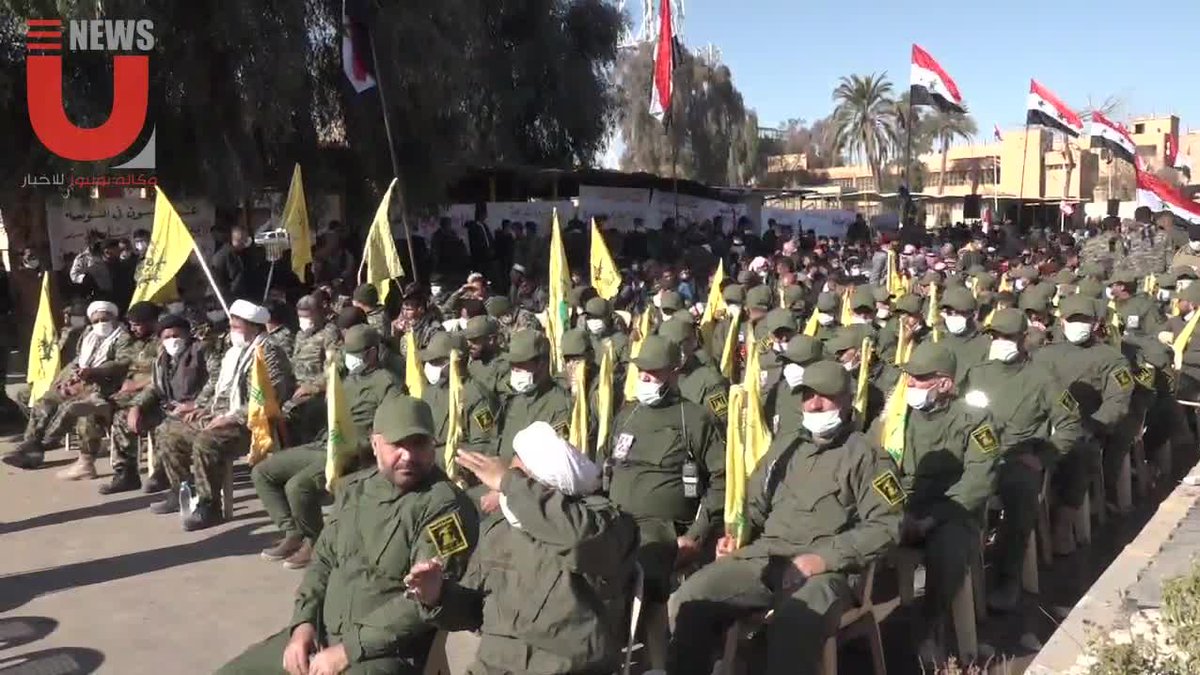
column 782, row 407
column 881, row 376
column 1038, row 416
column 828, row 311
column 700, row 383
column 599, row 316
column 576, row 348
column 666, row 459
column 353, row 592
column 795, row 300
column 734, row 296
column 837, row 498
column 1188, row 385
column 509, row 319
column 479, row 407
column 303, row 415
column 1139, row 314
column 291, row 483
column 969, row 347
column 490, row 370
column 1037, row 308
column 780, row 328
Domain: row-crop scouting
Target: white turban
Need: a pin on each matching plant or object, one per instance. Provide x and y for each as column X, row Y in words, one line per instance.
column 244, row 309
column 552, row 461
column 103, row 306
column 758, row 264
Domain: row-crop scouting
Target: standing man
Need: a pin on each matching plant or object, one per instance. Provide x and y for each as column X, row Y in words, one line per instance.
column 240, row 269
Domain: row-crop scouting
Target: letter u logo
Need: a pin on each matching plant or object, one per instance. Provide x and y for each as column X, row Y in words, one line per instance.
column 48, row 116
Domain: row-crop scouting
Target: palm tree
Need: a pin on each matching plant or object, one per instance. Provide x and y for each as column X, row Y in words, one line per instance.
column 863, row 121
column 946, row 128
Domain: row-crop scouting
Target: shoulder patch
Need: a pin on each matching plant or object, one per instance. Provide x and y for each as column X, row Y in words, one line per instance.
column 985, row 437
column 1068, row 401
column 1145, row 376
column 1122, row 377
column 447, row 536
column 484, row 418
column 561, row 428
column 718, row 403
column 888, row 487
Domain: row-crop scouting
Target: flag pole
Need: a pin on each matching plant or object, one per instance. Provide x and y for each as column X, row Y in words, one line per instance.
column 387, row 128
column 208, row 273
column 1021, row 187
column 904, row 206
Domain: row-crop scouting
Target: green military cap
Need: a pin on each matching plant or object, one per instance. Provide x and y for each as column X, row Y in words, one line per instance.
column 1125, row 277
column 734, row 294
column 497, row 305
column 780, row 319
column 827, row 302
column 931, row 277
column 1089, row 288
column 439, row 347
column 1008, row 322
column 909, row 304
column 862, row 298
column 844, row 339
column 880, row 293
column 677, row 330
column 986, row 282
column 747, row 278
column 760, row 297
column 1034, row 302
column 527, row 345
column 804, row 349
column 1166, row 280
column 399, row 417
column 959, row 299
column 575, row 343
column 1065, row 276
column 931, row 358
column 670, row 300
column 794, row 295
column 1155, row 353
column 1078, row 305
column 597, row 308
column 360, row 338
column 1184, row 272
column 307, row 303
column 826, row 378
column 1091, row 269
column 1190, row 294
column 657, row 353
column 479, row 327
column 1029, row 273
column 367, row 294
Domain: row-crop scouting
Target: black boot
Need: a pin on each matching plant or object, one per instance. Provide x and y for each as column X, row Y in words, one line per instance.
column 122, row 481
column 168, row 505
column 205, row 515
column 28, row 455
column 156, row 482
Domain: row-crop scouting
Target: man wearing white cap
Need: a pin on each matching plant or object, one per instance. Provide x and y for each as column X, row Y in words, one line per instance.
column 548, row 583
column 200, row 435
column 97, row 371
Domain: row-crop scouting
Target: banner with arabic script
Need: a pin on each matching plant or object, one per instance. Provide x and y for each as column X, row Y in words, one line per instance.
column 68, row 223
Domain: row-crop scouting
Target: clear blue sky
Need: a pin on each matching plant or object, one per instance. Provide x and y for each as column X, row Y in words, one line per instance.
column 787, row 55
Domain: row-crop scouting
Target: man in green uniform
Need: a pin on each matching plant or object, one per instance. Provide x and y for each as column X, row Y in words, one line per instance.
column 780, row 329
column 416, row 317
column 846, row 347
column 366, row 298
column 782, row 406
column 795, row 300
column 828, row 308
column 1099, row 380
column 1039, row 319
column 477, row 419
column 601, row 326
column 486, row 364
column 315, row 341
column 734, row 296
column 862, row 312
column 1040, row 422
column 887, row 324
column 352, row 613
column 143, row 350
column 509, row 320
column 291, row 483
column 700, row 383
column 577, row 352
column 1138, row 313
column 820, row 507
column 963, row 337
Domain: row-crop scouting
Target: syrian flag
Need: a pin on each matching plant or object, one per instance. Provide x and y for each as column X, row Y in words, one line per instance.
column 1155, row 193
column 356, row 61
column 666, row 57
column 1174, row 160
column 1113, row 137
column 1045, row 110
column 930, row 85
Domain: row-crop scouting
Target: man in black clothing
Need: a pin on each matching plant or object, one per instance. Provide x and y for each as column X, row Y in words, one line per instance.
column 240, row 268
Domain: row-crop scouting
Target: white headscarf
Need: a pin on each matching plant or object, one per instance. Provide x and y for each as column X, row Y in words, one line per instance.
column 103, row 306
column 553, row 462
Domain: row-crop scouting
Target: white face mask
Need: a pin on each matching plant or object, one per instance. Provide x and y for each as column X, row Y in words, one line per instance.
column 140, row 246
column 78, row 321
column 859, row 319
column 1077, row 331
column 955, row 324
column 173, row 346
column 779, row 347
column 850, row 367
column 1020, row 284
column 919, row 399
column 595, row 325
column 822, row 424
column 824, row 319
column 175, row 308
column 237, row 339
column 1182, row 284
column 856, row 271
column 793, row 374
column 435, row 290
column 433, row 374
column 521, row 381
column 1164, row 295
column 1108, row 293
column 305, row 323
column 508, row 515
column 733, row 309
column 353, row 362
column 883, row 314
column 648, row 393
column 1194, row 245
column 104, row 328
column 1003, row 350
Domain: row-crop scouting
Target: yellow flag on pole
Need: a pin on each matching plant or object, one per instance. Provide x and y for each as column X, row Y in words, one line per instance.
column 758, row 438
column 605, row 277
column 341, row 444
column 454, row 427
column 895, row 281
column 43, row 347
column 170, row 245
column 559, row 282
column 631, row 371
column 847, row 314
column 735, row 466
column 262, row 411
column 379, row 252
column 895, row 417
column 414, row 377
column 1179, row 345
column 295, row 221
column 862, row 388
column 604, row 393
column 933, row 313
column 714, row 306
column 578, row 434
column 727, row 349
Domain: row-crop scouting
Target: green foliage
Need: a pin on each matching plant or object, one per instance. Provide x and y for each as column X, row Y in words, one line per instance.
column 1181, row 609
column 864, row 119
column 1181, row 626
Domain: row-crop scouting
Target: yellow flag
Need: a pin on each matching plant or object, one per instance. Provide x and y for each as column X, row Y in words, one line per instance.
column 605, row 277
column 736, row 474
column 631, row 371
column 847, row 314
column 895, row 417
column 295, row 221
column 341, row 444
column 170, row 245
column 604, row 393
column 758, row 435
column 43, row 347
column 932, row 314
column 1114, row 325
column 895, row 281
column 578, row 434
column 714, row 306
column 1150, row 284
column 1180, row 344
column 558, row 282
column 862, row 387
column 812, row 325
column 454, row 414
column 1006, row 285
column 379, row 252
column 263, row 410
column 414, row 377
column 904, row 345
column 727, row 349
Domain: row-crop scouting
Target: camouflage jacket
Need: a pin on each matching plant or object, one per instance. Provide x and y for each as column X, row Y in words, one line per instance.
column 233, row 399
column 143, row 353
column 284, row 338
column 309, row 353
column 427, row 326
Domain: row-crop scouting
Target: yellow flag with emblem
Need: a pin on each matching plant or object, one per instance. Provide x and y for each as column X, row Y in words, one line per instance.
column 727, row 349
column 295, row 221
column 758, row 436
column 1181, row 341
column 895, row 417
column 631, row 370
column 262, row 411
column 379, row 251
column 578, row 433
column 932, row 315
column 414, row 377
column 736, row 474
column 559, row 282
column 604, row 393
column 605, row 277
column 170, row 245
column 714, row 306
column 862, row 388
column 341, row 443
column 43, row 347
column 454, row 413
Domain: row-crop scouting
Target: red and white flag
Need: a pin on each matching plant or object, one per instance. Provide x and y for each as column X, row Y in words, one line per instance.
column 930, row 85
column 662, row 85
column 996, row 132
column 355, row 44
column 1067, row 208
column 1044, row 109
column 1174, row 159
column 1157, row 194
column 1112, row 137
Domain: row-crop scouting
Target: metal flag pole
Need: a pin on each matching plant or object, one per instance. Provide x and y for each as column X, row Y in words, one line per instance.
column 905, row 205
column 1021, row 187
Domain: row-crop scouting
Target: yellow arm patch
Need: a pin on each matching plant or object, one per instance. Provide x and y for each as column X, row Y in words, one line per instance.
column 1122, row 377
column 484, row 418
column 888, row 487
column 1068, row 401
column 447, row 535
column 718, row 403
column 985, row 437
column 1145, row 376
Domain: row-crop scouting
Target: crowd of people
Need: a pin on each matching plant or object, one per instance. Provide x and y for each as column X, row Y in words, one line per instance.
column 908, row 382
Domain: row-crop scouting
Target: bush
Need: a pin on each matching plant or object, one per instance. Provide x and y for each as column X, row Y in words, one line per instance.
column 1172, row 645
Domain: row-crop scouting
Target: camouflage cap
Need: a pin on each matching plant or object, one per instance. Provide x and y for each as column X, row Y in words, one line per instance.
column 1078, row 305
column 827, row 378
column 366, row 294
column 575, row 344
column 862, row 298
column 657, row 353
column 440, row 346
column 780, row 319
column 959, row 299
column 671, row 300
column 527, row 345
column 677, row 330
column 909, row 304
column 760, row 297
column 360, row 338
column 399, row 417
column 597, row 308
column 1008, row 322
column 931, row 358
column 804, row 349
column 479, row 327
column 828, row 302
column 734, row 293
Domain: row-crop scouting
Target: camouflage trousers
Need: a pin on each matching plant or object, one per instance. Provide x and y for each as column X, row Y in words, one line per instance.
column 194, row 454
column 53, row 417
column 124, row 450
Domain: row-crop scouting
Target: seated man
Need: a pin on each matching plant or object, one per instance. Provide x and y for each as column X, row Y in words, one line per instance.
column 94, row 374
column 304, row 412
column 820, row 506
column 203, row 434
column 352, row 612
column 549, row 583
column 291, row 484
column 477, row 415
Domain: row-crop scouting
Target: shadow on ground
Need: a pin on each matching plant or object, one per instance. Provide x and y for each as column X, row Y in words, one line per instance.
column 58, row 661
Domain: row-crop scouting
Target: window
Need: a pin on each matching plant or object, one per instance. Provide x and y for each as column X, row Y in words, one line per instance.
column 1139, row 128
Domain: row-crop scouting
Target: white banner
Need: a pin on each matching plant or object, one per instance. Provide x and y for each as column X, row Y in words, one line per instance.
column 663, row 206
column 825, row 222
column 618, row 205
column 68, row 223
